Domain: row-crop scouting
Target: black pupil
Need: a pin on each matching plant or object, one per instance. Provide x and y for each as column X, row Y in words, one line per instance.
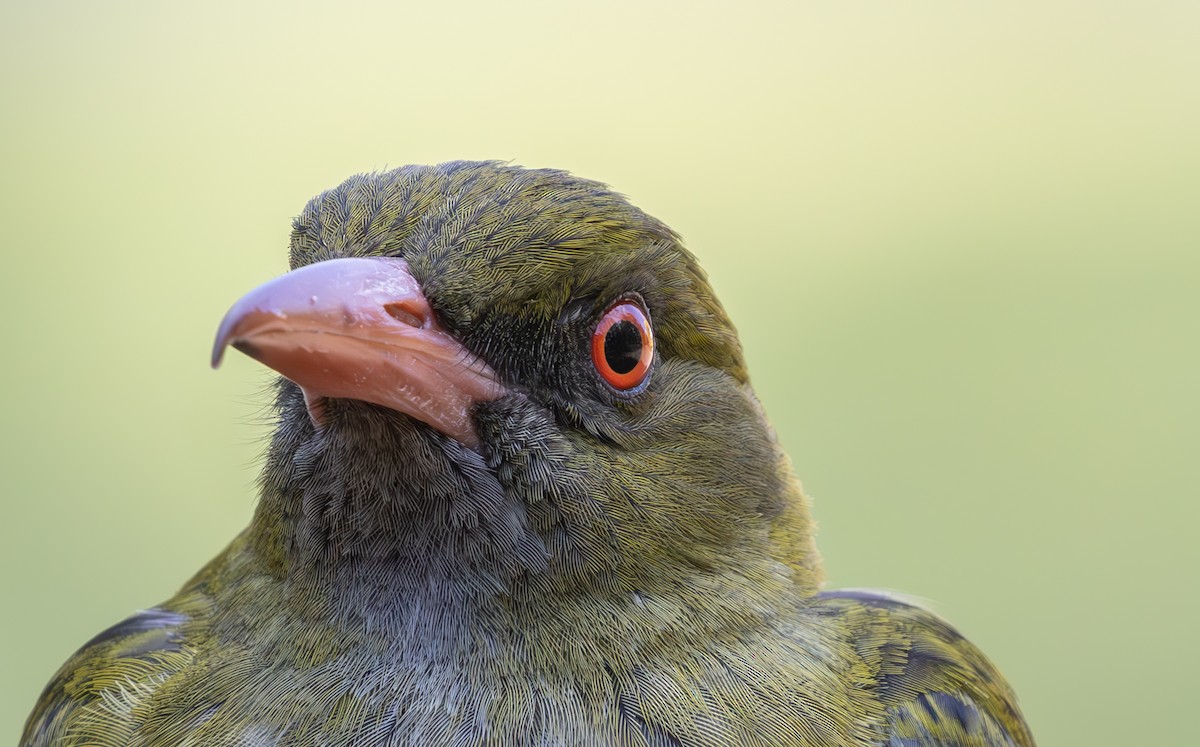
column 623, row 346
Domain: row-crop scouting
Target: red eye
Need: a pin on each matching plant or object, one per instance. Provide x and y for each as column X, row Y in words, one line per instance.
column 623, row 345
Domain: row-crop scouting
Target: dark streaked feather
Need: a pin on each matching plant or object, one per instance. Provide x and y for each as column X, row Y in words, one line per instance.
column 937, row 688
column 119, row 663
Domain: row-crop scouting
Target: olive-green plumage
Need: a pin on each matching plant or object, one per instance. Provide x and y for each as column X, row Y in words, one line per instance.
column 600, row 570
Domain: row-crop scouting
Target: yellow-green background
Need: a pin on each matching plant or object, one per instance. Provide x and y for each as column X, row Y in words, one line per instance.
column 961, row 241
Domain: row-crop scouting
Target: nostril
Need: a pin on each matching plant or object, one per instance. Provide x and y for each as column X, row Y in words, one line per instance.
column 409, row 311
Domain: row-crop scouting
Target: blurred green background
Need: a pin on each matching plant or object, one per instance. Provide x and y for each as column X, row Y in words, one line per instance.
column 961, row 242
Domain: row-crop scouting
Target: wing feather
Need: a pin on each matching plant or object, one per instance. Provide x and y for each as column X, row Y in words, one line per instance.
column 937, row 689
column 98, row 689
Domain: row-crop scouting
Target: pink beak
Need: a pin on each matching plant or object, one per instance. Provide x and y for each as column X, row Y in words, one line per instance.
column 361, row 329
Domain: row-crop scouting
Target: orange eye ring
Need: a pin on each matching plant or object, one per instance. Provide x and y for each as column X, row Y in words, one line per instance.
column 623, row 345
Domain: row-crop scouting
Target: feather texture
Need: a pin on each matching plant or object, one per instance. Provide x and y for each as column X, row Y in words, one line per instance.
column 606, row 568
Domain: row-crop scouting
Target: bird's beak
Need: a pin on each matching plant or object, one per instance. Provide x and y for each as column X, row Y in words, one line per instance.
column 361, row 329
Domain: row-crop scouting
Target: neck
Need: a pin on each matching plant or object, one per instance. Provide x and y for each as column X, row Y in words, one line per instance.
column 330, row 505
column 371, row 509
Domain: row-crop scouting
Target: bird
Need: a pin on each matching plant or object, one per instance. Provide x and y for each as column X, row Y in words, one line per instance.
column 520, row 491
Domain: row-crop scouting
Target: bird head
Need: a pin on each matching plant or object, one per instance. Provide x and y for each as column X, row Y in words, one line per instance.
column 508, row 377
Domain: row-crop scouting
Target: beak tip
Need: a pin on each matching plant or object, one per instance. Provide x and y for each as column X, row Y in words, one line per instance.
column 227, row 335
column 239, row 344
column 219, row 344
column 222, row 339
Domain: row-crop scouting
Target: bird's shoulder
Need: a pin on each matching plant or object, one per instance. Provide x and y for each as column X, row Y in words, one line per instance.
column 96, row 693
column 936, row 687
column 110, row 691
